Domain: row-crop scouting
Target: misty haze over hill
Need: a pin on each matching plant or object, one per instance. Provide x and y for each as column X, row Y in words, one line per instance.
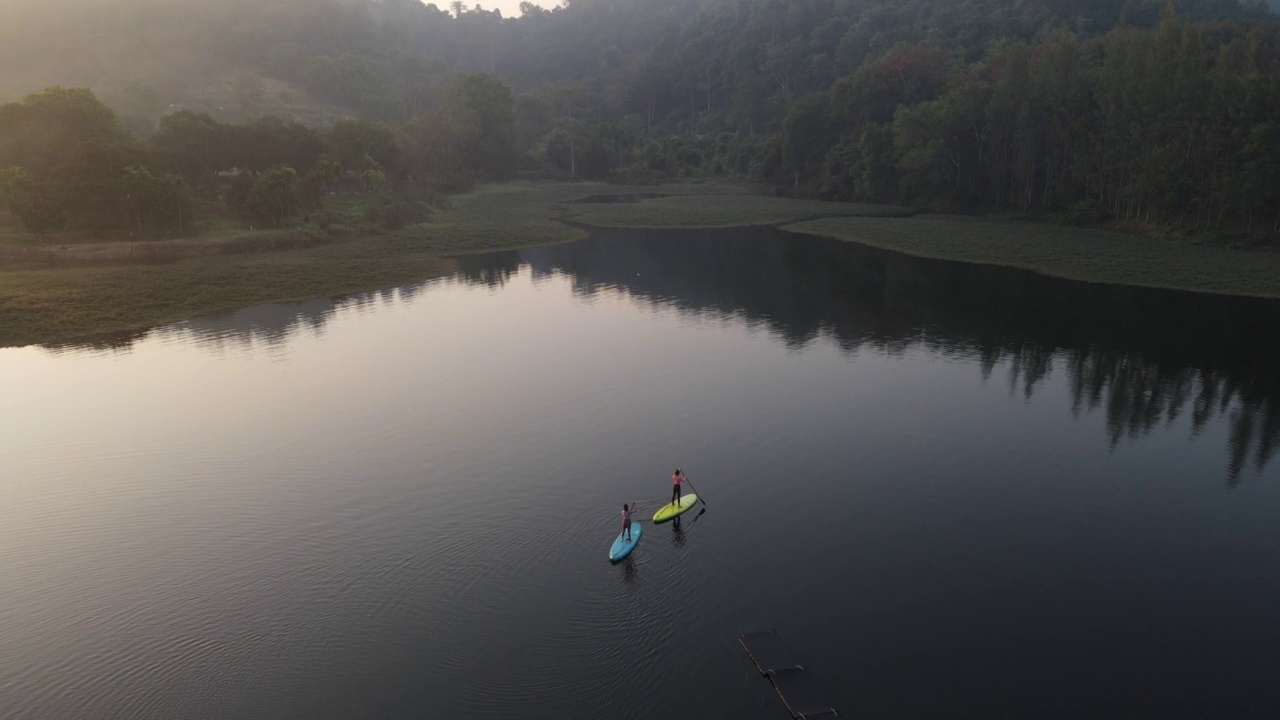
column 318, row 60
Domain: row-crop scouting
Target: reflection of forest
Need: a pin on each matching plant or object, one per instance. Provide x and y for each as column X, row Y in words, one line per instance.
column 268, row 325
column 1143, row 356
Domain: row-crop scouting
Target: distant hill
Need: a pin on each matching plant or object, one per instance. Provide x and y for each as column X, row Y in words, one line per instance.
column 318, row 60
column 147, row 58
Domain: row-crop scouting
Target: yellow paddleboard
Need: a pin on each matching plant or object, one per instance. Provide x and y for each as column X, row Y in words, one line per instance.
column 670, row 510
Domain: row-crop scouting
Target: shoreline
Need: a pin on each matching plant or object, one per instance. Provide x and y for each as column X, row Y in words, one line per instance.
column 1077, row 254
column 61, row 293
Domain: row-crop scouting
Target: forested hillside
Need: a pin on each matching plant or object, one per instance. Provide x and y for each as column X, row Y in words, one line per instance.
column 671, row 62
column 1152, row 112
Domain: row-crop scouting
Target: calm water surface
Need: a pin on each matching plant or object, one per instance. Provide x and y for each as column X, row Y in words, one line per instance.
column 957, row 491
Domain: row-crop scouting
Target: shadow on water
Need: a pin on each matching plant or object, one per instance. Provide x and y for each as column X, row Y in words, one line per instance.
column 630, row 572
column 677, row 532
column 1145, row 357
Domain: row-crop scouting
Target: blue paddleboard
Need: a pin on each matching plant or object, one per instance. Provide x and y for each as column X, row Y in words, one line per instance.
column 621, row 547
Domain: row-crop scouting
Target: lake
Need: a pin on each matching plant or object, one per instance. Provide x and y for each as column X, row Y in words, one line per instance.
column 957, row 491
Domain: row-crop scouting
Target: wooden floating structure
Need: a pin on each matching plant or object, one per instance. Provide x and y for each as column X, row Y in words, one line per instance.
column 802, row 693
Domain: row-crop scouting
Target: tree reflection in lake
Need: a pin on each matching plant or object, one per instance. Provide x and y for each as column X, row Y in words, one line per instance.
column 1142, row 356
column 260, row 325
column 490, row 269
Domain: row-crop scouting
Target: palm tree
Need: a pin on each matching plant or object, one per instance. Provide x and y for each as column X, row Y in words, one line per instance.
column 458, row 7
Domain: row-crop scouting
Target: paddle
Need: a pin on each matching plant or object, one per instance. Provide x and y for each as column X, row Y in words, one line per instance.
column 635, row 508
column 647, row 519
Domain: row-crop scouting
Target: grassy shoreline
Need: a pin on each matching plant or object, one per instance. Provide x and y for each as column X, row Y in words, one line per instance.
column 1086, row 255
column 79, row 296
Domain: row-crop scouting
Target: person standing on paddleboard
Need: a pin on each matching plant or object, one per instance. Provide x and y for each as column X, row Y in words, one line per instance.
column 676, row 478
column 626, row 520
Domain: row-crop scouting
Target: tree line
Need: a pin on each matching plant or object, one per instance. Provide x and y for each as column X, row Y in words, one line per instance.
column 67, row 162
column 1172, row 126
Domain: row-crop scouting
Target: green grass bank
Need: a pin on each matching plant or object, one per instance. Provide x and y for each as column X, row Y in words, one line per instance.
column 1087, row 255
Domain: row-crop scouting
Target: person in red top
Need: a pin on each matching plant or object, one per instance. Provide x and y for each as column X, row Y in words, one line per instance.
column 676, row 478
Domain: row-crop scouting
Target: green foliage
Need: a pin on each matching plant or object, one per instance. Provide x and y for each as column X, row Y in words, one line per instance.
column 391, row 210
column 351, row 141
column 158, row 204
column 533, row 120
column 71, row 149
column 48, row 130
column 192, row 145
column 236, row 196
column 1170, row 126
column 372, row 175
column 590, row 150
column 274, row 196
column 431, row 157
column 324, row 175
column 31, row 201
column 479, row 113
column 470, row 136
column 272, row 142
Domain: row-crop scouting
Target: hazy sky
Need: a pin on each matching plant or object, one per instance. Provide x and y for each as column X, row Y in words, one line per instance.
column 509, row 8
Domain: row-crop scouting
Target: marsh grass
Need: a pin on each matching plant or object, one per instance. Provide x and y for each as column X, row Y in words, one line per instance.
column 1100, row 256
column 723, row 207
column 54, row 304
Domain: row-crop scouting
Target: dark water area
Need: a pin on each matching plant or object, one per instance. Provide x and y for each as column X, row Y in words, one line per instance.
column 1143, row 356
column 958, row 491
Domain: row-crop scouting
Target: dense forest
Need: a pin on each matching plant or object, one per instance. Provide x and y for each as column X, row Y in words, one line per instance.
column 67, row 162
column 1147, row 112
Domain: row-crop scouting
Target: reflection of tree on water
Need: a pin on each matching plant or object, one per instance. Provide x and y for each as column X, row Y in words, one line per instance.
column 490, row 269
column 1144, row 357
column 1138, row 397
column 629, row 571
column 269, row 325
